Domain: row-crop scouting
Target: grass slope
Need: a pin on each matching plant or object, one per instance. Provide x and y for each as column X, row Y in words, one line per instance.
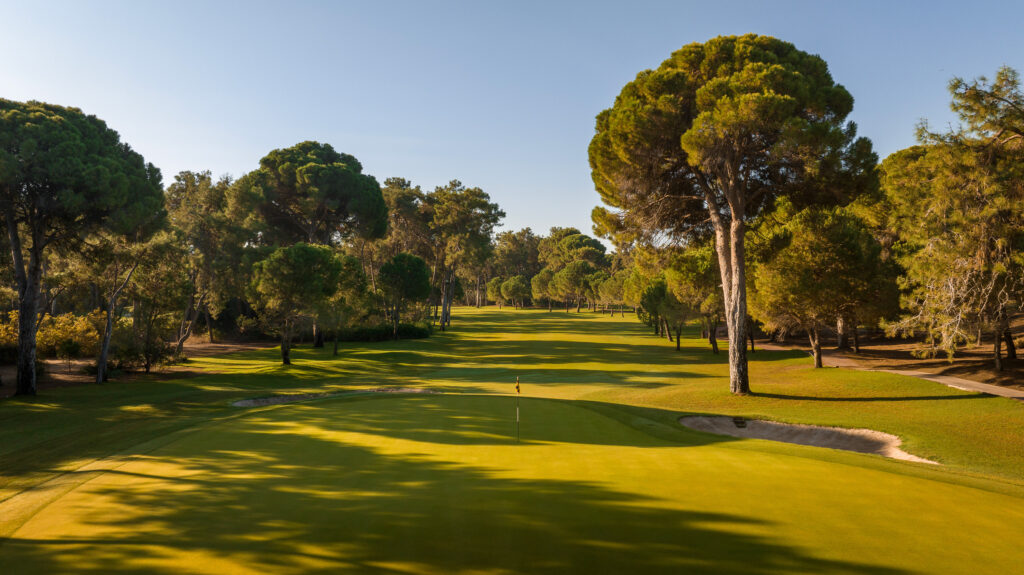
column 164, row 477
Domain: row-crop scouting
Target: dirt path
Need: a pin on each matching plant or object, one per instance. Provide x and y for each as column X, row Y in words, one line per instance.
column 834, row 358
column 58, row 373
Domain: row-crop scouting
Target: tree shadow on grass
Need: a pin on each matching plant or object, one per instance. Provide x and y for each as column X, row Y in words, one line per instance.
column 289, row 494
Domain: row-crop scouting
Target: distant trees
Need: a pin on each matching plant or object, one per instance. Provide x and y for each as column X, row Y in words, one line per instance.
column 540, row 286
column 516, row 290
column 213, row 239
column 349, row 301
column 63, row 175
column 710, row 139
column 462, row 222
column 404, row 279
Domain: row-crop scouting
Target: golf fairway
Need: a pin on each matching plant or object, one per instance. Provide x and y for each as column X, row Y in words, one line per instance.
column 435, row 483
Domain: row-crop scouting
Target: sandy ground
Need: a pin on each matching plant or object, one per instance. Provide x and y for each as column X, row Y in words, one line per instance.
column 974, row 363
column 859, row 440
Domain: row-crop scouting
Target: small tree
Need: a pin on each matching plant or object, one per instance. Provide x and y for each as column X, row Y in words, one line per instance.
column 494, row 291
column 292, row 283
column 540, row 286
column 610, row 291
column 827, row 267
column 404, row 279
column 692, row 277
column 571, row 282
column 349, row 297
column 516, row 289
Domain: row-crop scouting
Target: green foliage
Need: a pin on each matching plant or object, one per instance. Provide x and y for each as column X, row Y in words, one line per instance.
column 293, row 282
column 494, row 292
column 571, row 282
column 829, row 267
column 405, row 279
column 611, row 290
column 516, row 289
column 540, row 285
column 199, row 215
column 517, row 253
column 957, row 204
column 675, row 133
column 711, row 139
column 64, row 174
column 311, row 193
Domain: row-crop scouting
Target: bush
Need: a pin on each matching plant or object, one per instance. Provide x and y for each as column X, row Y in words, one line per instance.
column 55, row 331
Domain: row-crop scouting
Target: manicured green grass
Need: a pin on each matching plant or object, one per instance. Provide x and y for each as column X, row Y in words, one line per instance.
column 167, row 477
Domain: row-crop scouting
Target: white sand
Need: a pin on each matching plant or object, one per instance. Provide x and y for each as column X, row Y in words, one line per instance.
column 860, row 440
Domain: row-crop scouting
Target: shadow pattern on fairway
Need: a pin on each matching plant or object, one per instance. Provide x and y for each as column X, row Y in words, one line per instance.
column 293, row 500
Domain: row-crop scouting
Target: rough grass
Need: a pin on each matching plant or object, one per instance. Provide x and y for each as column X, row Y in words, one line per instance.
column 167, row 476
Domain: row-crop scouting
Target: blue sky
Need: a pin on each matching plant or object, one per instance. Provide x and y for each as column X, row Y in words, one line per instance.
column 498, row 95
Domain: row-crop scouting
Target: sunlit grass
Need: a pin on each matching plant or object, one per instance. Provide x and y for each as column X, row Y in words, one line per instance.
column 172, row 477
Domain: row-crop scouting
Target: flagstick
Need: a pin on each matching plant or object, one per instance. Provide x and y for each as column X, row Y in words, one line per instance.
column 517, row 418
column 517, row 409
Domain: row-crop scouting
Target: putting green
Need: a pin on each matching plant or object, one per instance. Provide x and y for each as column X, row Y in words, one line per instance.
column 433, row 484
column 168, row 477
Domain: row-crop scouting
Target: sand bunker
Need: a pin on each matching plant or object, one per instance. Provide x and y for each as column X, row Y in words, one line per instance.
column 292, row 398
column 859, row 440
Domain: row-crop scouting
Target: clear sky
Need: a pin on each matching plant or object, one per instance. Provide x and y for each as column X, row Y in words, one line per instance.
column 500, row 95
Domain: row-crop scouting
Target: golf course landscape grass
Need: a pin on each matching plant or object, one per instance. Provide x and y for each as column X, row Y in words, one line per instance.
column 170, row 477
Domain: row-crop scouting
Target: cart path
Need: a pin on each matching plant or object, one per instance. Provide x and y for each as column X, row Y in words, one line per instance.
column 830, row 359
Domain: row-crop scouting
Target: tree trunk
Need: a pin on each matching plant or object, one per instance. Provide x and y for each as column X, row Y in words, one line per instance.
column 856, row 341
column 713, row 336
column 579, row 303
column 101, row 365
column 29, row 280
column 477, row 290
column 679, row 335
column 842, row 333
column 27, row 315
column 318, row 335
column 750, row 334
column 209, row 324
column 1011, row 347
column 191, row 315
column 732, row 267
column 997, row 351
column 815, row 338
column 286, row 347
column 550, row 304
column 668, row 329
